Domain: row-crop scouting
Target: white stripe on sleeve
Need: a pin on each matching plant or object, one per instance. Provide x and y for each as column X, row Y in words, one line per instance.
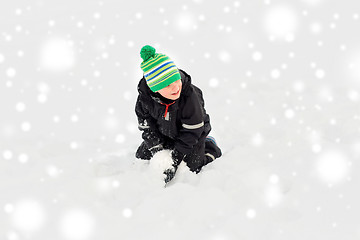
column 195, row 126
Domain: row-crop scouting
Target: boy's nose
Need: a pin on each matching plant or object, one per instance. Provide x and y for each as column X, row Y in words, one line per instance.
column 174, row 87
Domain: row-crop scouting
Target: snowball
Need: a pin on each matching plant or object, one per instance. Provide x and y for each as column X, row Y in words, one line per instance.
column 161, row 160
column 281, row 22
column 332, row 167
column 57, row 55
column 28, row 216
column 77, row 224
column 251, row 213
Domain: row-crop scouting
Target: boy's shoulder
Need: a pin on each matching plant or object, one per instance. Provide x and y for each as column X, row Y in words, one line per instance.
column 188, row 87
column 142, row 86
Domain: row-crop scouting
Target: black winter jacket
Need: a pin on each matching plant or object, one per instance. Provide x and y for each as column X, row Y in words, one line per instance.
column 185, row 123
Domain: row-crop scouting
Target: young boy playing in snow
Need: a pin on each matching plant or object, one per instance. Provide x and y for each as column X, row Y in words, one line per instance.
column 171, row 115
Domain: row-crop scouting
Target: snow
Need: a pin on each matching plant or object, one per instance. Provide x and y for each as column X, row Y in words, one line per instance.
column 11, row 72
column 332, row 167
column 28, row 215
column 281, row 22
column 77, row 224
column 57, row 55
column 281, row 85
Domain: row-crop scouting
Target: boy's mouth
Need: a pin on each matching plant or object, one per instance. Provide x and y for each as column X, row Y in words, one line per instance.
column 176, row 92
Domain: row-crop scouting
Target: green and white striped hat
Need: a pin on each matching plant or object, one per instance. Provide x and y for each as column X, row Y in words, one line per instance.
column 159, row 70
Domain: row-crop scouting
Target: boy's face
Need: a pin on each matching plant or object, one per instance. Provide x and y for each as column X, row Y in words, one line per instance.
column 172, row 91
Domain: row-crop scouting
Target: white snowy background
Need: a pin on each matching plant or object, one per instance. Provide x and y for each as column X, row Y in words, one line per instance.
column 281, row 81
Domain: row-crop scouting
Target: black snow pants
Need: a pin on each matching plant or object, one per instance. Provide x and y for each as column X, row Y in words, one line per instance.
column 204, row 152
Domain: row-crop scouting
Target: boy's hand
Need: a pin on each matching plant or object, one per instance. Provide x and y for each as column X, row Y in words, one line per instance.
column 146, row 154
column 156, row 149
column 177, row 157
column 169, row 174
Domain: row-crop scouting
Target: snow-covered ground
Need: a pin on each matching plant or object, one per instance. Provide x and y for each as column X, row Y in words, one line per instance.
column 281, row 82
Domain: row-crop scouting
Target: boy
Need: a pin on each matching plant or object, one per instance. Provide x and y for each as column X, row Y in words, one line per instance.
column 171, row 115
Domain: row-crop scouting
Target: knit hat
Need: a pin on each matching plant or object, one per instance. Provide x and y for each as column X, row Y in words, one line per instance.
column 159, row 70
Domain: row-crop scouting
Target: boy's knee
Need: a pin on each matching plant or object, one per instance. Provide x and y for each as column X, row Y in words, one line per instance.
column 212, row 150
column 195, row 163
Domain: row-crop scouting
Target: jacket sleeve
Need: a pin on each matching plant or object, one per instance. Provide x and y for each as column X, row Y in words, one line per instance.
column 192, row 123
column 151, row 136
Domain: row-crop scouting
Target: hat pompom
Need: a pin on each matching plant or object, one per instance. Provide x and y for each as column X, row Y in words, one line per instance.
column 147, row 52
